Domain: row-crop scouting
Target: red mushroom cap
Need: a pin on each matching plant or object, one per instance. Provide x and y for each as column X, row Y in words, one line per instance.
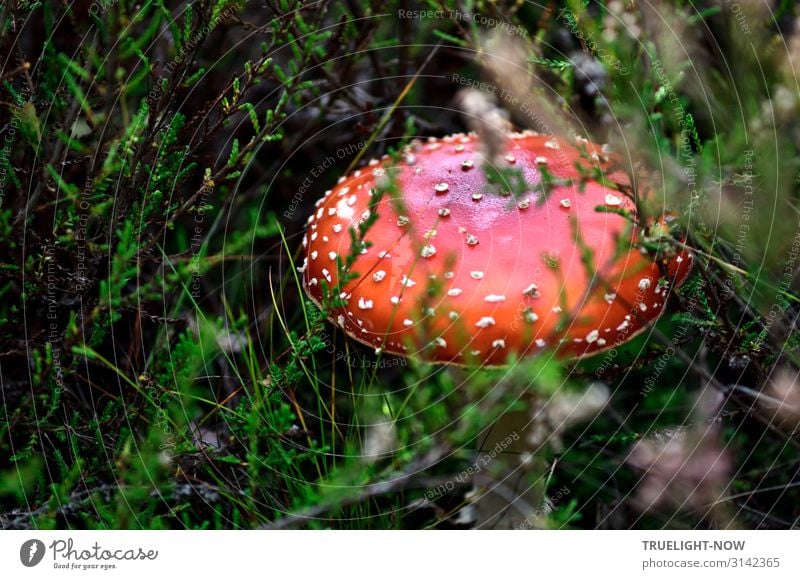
column 453, row 273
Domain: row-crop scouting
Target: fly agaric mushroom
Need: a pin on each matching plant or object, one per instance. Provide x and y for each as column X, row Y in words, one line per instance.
column 452, row 273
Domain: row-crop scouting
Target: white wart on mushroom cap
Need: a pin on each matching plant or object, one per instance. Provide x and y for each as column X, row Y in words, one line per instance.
column 454, row 273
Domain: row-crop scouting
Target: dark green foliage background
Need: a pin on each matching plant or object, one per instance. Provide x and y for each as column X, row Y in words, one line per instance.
column 159, row 365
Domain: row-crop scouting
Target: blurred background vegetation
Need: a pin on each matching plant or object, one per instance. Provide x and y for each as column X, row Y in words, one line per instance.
column 160, row 366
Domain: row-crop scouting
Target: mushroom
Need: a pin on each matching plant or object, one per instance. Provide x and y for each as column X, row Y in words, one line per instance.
column 452, row 272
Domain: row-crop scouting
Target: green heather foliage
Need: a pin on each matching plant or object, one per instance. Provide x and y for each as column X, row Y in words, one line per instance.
column 160, row 366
